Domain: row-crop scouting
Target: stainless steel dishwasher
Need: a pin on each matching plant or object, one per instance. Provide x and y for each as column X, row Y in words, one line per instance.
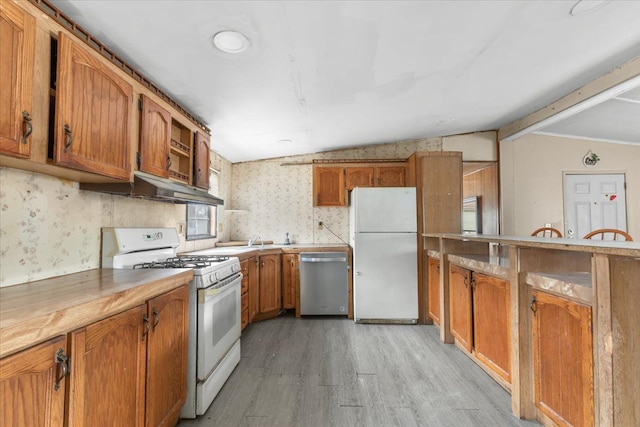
column 323, row 283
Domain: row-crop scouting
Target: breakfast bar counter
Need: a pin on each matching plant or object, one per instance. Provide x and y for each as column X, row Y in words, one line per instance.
column 570, row 319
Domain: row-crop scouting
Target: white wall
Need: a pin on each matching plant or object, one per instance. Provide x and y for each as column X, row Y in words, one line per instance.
column 531, row 171
column 48, row 227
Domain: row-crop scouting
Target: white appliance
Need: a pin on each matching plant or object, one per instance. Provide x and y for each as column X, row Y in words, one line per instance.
column 383, row 229
column 214, row 305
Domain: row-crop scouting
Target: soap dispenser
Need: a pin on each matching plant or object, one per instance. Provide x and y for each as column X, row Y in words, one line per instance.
column 286, row 239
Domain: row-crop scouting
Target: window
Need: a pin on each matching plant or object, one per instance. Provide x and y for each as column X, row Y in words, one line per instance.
column 202, row 220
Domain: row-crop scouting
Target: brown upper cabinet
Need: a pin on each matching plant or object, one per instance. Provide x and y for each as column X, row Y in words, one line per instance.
column 17, row 55
column 155, row 138
column 93, row 112
column 332, row 183
column 359, row 177
column 201, row 161
column 328, row 186
column 390, row 176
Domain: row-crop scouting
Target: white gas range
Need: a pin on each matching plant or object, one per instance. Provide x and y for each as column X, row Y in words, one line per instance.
column 214, row 304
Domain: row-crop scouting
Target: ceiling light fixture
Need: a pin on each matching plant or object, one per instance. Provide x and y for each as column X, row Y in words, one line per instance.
column 231, row 41
column 583, row 7
column 284, row 141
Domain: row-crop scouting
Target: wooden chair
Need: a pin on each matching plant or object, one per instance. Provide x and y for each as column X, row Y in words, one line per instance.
column 604, row 231
column 547, row 232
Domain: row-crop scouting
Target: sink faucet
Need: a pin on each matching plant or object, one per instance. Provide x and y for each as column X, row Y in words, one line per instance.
column 254, row 239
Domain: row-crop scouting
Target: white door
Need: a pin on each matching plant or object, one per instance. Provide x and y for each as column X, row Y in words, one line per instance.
column 593, row 201
column 385, row 281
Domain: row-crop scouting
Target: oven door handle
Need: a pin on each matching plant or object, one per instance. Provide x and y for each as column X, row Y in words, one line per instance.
column 207, row 294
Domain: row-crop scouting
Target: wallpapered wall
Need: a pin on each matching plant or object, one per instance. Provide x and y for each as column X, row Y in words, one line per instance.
column 48, row 227
column 277, row 198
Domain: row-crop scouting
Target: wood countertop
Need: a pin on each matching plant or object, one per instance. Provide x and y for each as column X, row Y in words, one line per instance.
column 37, row 311
column 244, row 252
column 578, row 245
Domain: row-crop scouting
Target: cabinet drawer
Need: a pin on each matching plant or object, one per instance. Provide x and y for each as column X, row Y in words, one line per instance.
column 245, row 301
column 244, row 285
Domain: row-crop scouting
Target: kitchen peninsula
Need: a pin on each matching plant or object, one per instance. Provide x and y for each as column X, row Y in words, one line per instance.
column 561, row 316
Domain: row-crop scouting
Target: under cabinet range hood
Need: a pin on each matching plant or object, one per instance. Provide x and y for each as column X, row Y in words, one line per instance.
column 151, row 187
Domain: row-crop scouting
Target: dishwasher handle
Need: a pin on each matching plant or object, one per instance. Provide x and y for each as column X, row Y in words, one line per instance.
column 323, row 257
column 342, row 259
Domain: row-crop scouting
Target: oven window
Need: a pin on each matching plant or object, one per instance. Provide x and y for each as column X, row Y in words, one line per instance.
column 202, row 222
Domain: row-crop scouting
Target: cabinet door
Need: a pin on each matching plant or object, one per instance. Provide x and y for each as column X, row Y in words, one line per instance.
column 359, row 177
column 460, row 306
column 491, row 324
column 107, row 384
column 289, row 280
column 28, row 394
column 328, row 186
column 201, row 162
column 93, row 113
column 391, row 176
column 563, row 359
column 434, row 289
column 254, row 294
column 269, row 284
column 441, row 193
column 155, row 138
column 17, row 55
column 167, row 357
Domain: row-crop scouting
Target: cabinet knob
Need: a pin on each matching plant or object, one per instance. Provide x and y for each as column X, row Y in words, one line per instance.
column 69, row 136
column 26, row 120
column 62, row 360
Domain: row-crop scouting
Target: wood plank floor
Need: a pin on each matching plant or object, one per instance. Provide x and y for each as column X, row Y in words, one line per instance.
column 332, row 372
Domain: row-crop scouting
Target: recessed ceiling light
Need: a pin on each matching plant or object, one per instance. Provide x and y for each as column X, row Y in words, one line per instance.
column 231, row 41
column 284, row 141
column 586, row 6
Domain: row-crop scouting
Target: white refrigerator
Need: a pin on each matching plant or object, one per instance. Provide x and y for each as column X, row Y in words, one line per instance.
column 382, row 224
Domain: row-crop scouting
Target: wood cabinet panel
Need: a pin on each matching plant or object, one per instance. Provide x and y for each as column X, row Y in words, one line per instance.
column 252, row 273
column 28, row 395
column 289, row 280
column 491, row 323
column 441, row 193
column 434, row 289
column 17, row 56
column 563, row 359
column 201, row 161
column 167, row 357
column 155, row 138
column 460, row 306
column 359, row 177
column 107, row 384
column 93, row 113
column 329, row 186
column 390, row 176
column 269, row 284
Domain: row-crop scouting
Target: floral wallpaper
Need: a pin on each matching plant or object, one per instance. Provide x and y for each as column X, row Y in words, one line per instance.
column 48, row 227
column 274, row 196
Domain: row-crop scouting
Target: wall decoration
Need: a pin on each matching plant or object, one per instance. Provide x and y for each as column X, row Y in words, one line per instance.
column 590, row 159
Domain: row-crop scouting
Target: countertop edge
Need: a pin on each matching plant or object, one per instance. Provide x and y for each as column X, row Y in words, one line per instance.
column 28, row 331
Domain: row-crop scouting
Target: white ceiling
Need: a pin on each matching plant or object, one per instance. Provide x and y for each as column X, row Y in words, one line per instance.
column 334, row 74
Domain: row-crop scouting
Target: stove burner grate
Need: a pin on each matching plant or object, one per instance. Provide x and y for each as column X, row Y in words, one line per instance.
column 184, row 261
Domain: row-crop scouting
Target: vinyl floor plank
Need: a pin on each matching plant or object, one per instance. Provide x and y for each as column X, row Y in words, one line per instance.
column 329, row 371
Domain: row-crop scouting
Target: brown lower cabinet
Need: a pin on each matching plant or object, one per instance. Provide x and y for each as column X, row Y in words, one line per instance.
column 491, row 323
column 433, row 289
column 562, row 359
column 269, row 297
column 460, row 309
column 128, row 369
column 289, row 280
column 480, row 317
column 30, row 394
